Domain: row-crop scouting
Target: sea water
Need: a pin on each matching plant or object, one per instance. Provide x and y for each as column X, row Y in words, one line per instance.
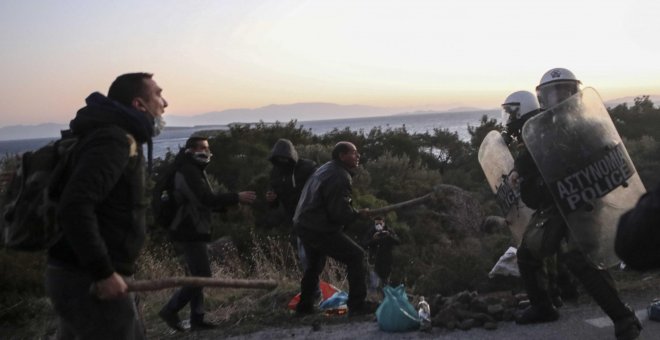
column 174, row 138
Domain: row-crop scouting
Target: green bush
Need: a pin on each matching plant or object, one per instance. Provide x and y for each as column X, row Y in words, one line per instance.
column 437, row 254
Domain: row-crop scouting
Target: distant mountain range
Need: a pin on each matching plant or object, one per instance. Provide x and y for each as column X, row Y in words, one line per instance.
column 46, row 130
column 283, row 113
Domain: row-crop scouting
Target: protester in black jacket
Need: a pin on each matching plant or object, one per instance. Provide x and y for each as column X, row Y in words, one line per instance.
column 102, row 214
column 192, row 229
column 324, row 210
column 287, row 179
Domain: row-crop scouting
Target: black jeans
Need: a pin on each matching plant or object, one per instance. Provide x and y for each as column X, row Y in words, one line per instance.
column 340, row 247
column 83, row 316
column 196, row 256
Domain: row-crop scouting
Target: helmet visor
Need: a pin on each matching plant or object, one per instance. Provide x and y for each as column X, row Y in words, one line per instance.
column 552, row 94
column 510, row 113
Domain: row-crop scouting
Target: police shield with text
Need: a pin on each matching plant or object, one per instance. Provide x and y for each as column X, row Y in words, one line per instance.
column 498, row 164
column 578, row 176
column 587, row 170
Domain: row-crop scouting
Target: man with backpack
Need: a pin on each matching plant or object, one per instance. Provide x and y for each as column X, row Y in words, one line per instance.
column 101, row 212
column 191, row 229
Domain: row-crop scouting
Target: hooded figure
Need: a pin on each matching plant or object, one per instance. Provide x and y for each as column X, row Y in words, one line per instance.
column 287, row 179
column 288, row 176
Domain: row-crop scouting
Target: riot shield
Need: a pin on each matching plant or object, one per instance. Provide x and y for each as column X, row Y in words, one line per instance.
column 497, row 163
column 585, row 165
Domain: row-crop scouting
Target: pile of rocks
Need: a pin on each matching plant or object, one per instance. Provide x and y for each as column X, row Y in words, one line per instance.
column 467, row 310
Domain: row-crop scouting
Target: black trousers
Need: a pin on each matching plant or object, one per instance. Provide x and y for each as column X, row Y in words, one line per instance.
column 196, row 257
column 337, row 245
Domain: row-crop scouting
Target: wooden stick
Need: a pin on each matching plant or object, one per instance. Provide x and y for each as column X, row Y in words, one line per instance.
column 405, row 204
column 193, row 281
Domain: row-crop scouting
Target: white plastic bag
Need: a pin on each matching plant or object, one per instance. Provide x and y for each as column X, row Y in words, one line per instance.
column 506, row 265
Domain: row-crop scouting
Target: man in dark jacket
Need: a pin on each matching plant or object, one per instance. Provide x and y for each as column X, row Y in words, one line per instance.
column 380, row 241
column 324, row 210
column 102, row 213
column 191, row 229
column 287, row 179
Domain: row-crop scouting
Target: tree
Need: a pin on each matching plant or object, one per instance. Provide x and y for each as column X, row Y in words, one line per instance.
column 445, row 149
column 637, row 121
column 478, row 133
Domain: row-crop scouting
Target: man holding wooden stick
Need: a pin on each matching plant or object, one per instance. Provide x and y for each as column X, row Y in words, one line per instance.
column 324, row 209
column 101, row 212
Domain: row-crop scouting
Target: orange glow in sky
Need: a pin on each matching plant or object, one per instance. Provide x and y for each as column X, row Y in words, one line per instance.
column 217, row 55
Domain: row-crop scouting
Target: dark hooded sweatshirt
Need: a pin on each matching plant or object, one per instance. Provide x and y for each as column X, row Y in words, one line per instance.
column 101, row 208
column 288, row 179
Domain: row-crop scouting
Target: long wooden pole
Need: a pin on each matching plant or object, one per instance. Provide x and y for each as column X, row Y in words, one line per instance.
column 400, row 205
column 193, row 281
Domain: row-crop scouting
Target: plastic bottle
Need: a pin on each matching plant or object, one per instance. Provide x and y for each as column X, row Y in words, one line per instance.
column 424, row 313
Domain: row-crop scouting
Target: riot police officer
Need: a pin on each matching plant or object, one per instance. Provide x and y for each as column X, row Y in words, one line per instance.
column 548, row 233
column 517, row 108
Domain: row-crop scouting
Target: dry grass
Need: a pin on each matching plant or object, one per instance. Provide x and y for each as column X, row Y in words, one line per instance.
column 237, row 310
column 28, row 315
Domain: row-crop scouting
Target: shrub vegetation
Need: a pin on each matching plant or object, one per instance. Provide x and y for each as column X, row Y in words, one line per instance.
column 443, row 249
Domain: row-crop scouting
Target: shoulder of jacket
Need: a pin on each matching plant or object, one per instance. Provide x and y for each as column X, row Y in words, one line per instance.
column 306, row 162
column 116, row 133
column 305, row 166
column 339, row 174
column 187, row 168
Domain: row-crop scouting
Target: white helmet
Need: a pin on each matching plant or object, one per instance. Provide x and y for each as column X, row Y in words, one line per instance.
column 555, row 86
column 517, row 108
column 517, row 105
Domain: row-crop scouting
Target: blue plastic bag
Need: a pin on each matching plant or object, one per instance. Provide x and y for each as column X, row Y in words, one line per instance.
column 395, row 313
column 337, row 300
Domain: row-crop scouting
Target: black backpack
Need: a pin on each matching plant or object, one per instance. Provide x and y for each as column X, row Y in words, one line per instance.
column 164, row 204
column 28, row 218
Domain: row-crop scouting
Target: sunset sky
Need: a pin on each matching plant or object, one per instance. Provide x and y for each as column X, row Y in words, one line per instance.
column 217, row 55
